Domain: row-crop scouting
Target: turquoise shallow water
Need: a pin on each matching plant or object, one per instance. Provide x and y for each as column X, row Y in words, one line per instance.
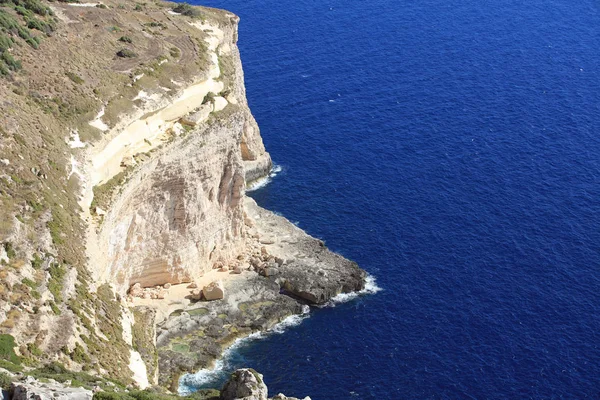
column 452, row 149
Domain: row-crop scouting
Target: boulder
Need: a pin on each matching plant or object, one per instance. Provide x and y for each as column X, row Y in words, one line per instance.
column 193, row 285
column 167, row 286
column 99, row 212
column 237, row 270
column 213, row 291
column 32, row 389
column 136, row 290
column 244, row 384
column 196, row 294
column 162, row 293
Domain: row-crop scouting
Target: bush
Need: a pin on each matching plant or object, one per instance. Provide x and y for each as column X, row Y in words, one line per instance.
column 125, row 39
column 5, row 380
column 59, row 373
column 7, row 365
column 187, row 10
column 75, row 78
column 175, row 52
column 126, row 53
column 7, row 349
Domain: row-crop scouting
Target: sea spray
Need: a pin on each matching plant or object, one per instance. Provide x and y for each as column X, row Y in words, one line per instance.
column 370, row 288
column 262, row 182
column 189, row 383
column 231, row 358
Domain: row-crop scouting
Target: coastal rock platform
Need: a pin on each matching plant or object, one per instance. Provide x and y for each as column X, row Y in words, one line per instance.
column 282, row 272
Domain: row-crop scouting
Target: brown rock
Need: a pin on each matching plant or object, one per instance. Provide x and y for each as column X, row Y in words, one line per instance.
column 213, row 291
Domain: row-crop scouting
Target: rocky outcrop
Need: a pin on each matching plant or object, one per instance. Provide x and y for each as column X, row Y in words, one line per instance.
column 247, row 384
column 194, row 338
column 299, row 263
column 32, row 389
column 286, row 269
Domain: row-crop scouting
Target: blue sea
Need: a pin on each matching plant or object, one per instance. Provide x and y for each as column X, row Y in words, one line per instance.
column 452, row 149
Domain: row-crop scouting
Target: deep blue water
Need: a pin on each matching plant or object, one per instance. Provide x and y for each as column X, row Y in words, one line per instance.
column 451, row 148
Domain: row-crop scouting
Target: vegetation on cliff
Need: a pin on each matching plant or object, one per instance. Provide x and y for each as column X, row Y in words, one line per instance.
column 60, row 70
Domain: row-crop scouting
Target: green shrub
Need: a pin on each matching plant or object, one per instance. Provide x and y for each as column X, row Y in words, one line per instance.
column 100, row 5
column 43, row 26
column 79, row 355
column 10, row 251
column 55, row 308
column 175, row 52
column 75, row 78
column 7, row 365
column 5, row 380
column 7, row 349
column 34, row 350
column 125, row 39
column 36, row 263
column 29, row 282
column 59, row 373
column 187, row 10
column 126, row 53
column 55, row 284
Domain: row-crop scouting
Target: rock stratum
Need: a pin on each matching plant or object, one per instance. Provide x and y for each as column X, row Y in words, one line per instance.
column 129, row 247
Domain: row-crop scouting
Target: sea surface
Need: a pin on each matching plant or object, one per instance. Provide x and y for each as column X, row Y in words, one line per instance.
column 452, row 149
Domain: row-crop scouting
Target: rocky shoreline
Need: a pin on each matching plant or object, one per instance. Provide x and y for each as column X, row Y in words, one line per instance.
column 282, row 270
column 243, row 384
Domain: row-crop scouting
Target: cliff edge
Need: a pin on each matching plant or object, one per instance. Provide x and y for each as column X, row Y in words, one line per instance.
column 129, row 248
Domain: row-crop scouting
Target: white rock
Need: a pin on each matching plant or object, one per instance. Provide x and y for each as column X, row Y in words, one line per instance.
column 32, row 389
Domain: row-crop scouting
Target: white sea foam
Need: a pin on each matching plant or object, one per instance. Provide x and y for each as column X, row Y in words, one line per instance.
column 262, row 182
column 188, row 382
column 370, row 288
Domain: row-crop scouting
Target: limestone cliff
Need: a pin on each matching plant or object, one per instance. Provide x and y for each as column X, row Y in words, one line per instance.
column 124, row 167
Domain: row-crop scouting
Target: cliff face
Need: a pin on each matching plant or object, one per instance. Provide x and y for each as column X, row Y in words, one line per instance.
column 125, row 141
column 124, row 163
column 179, row 211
